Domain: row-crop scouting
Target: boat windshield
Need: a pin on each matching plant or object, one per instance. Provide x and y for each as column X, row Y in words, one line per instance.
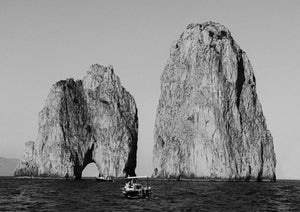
column 138, row 186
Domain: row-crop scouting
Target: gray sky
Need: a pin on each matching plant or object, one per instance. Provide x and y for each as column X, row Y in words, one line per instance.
column 42, row 42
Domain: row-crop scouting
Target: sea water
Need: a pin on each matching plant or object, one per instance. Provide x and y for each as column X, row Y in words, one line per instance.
column 91, row 195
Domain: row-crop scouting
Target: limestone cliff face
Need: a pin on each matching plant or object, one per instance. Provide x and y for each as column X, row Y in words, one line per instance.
column 84, row 121
column 209, row 122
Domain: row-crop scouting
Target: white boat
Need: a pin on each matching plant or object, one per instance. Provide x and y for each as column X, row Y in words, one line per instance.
column 133, row 189
column 103, row 179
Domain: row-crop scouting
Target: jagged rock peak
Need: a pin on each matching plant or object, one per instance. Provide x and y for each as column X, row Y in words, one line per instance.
column 209, row 121
column 100, row 73
column 84, row 121
column 97, row 69
column 219, row 30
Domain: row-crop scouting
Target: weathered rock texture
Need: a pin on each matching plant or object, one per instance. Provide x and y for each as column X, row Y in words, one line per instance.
column 209, row 121
column 84, row 121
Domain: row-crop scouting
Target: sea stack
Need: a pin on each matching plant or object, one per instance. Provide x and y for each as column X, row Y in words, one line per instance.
column 209, row 122
column 84, row 121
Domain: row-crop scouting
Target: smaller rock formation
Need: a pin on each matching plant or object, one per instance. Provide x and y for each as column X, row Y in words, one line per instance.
column 93, row 120
column 27, row 166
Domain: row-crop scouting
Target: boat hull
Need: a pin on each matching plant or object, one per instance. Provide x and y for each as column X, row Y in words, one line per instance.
column 134, row 194
column 100, row 179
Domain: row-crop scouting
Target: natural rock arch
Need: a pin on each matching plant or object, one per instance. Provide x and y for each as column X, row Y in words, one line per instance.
column 84, row 121
column 88, row 159
column 90, row 170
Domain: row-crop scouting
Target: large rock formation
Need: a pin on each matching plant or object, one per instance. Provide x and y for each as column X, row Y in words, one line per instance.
column 84, row 121
column 209, row 121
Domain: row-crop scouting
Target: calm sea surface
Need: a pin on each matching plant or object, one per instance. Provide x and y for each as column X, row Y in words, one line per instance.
column 90, row 195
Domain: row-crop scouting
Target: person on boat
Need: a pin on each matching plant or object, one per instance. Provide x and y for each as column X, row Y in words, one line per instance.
column 129, row 184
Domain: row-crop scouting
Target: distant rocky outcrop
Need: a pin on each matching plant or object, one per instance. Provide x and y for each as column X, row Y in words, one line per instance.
column 84, row 121
column 209, row 122
column 7, row 166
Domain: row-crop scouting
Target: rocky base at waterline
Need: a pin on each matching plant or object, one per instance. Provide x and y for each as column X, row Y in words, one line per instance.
column 209, row 122
column 93, row 120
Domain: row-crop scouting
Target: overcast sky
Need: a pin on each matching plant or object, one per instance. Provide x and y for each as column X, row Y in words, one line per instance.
column 42, row 42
